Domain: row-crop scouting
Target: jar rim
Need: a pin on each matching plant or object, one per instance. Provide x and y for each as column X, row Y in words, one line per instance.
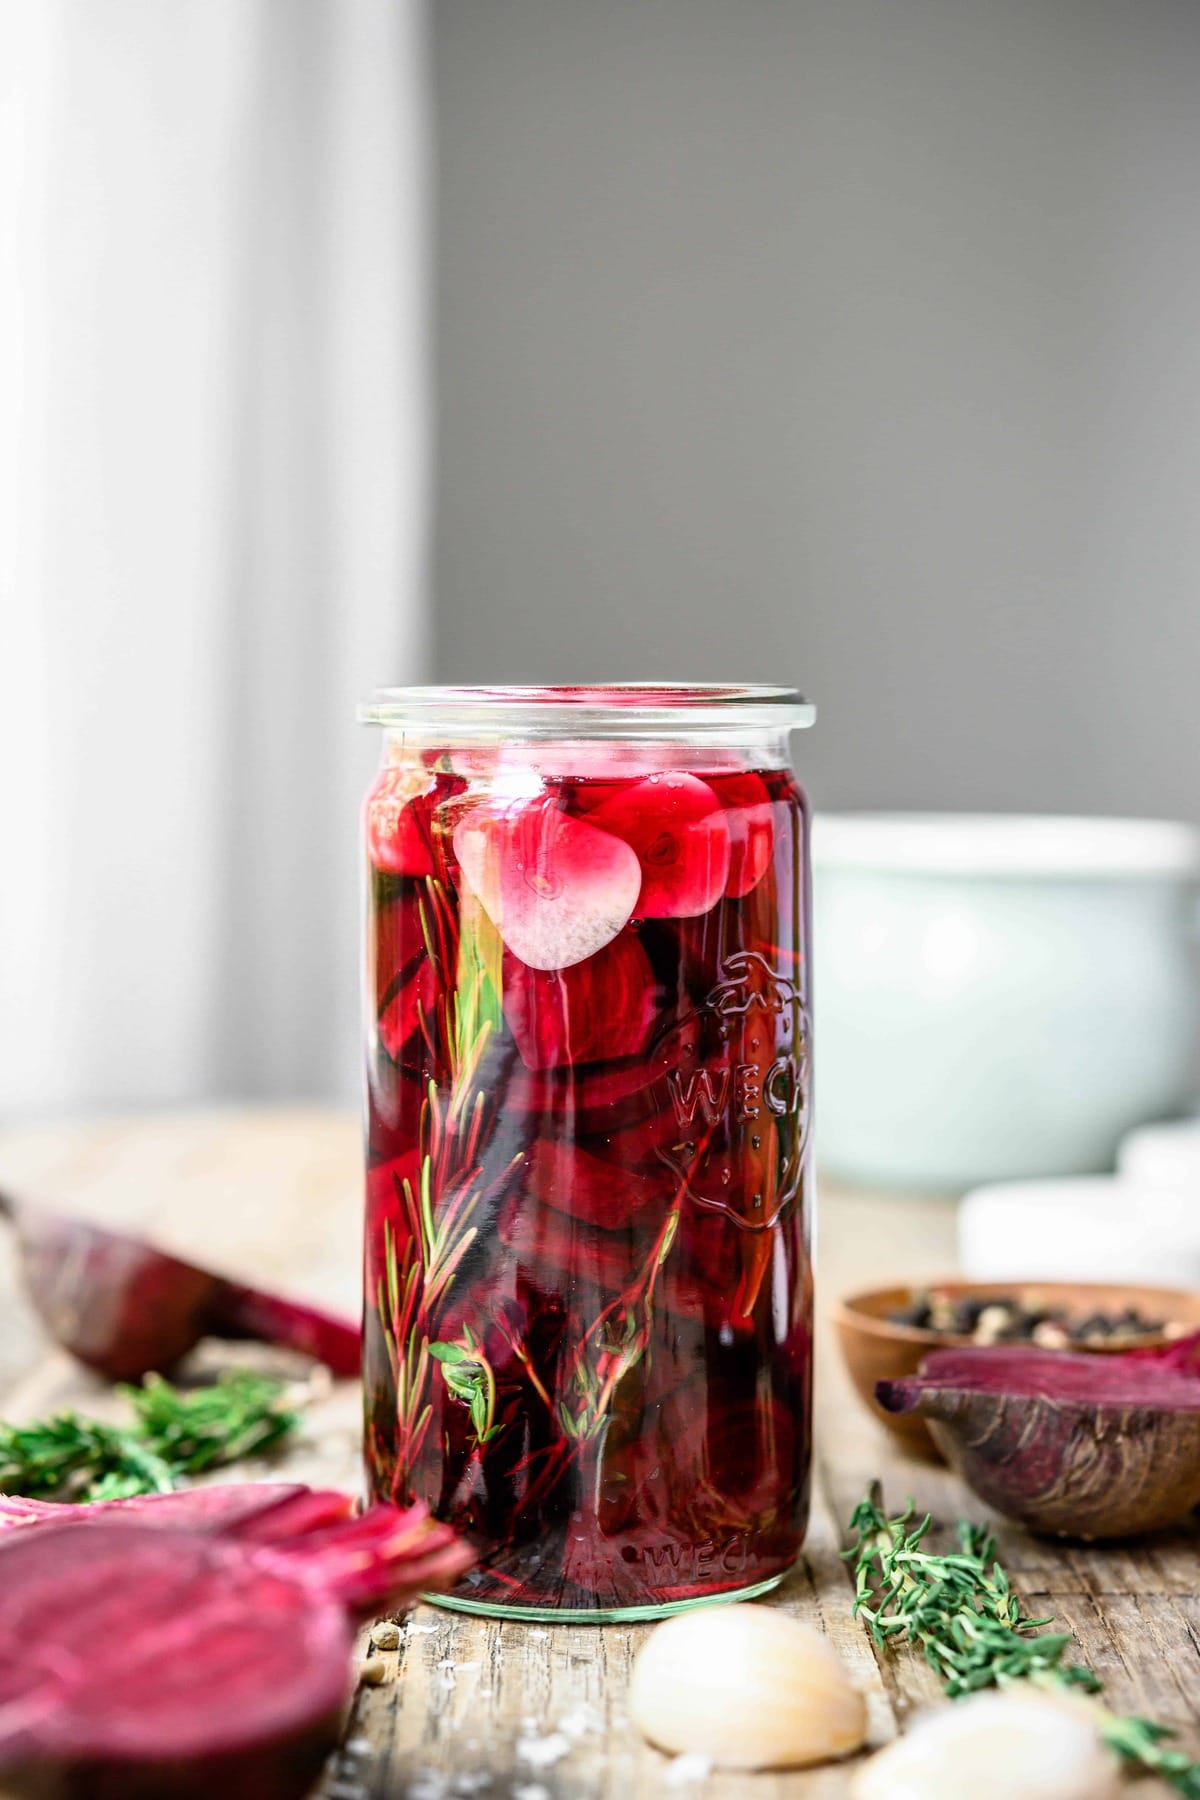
column 613, row 707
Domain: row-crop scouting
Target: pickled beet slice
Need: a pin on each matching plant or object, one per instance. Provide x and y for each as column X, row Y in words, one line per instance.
column 403, row 979
column 556, row 889
column 587, row 1012
column 618, row 1093
column 749, row 816
column 571, row 1180
column 555, row 1249
column 676, row 826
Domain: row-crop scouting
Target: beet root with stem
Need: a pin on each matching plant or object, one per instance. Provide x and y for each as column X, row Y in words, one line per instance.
column 140, row 1661
column 124, row 1308
column 1071, row 1446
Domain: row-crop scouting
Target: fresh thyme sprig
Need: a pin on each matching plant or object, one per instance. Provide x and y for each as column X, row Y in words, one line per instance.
column 959, row 1608
column 174, row 1432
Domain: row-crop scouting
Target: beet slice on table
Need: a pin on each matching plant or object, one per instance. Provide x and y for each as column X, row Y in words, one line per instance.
column 140, row 1662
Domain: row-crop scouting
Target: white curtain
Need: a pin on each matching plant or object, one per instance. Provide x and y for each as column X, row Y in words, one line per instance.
column 212, row 500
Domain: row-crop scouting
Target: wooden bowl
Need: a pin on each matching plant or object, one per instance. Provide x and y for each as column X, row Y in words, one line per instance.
column 875, row 1349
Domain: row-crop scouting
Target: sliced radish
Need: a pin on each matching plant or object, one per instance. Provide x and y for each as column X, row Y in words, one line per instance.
column 751, row 829
column 587, row 1012
column 676, row 826
column 556, row 889
column 398, row 826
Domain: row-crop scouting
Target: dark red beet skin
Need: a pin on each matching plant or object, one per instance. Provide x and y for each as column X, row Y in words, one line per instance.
column 124, row 1308
column 140, row 1660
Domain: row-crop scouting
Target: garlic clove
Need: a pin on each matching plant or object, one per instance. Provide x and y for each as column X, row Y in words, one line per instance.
column 1006, row 1746
column 747, row 1686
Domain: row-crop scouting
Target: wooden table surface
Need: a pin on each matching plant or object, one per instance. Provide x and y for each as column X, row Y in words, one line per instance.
column 474, row 1707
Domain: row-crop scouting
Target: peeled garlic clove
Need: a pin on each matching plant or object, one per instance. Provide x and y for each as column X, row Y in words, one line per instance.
column 1008, row 1746
column 748, row 1687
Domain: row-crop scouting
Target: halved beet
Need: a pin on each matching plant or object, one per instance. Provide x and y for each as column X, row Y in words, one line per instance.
column 1074, row 1446
column 260, row 1512
column 588, row 1012
column 677, row 828
column 750, row 817
column 571, row 1180
column 138, row 1662
column 556, row 889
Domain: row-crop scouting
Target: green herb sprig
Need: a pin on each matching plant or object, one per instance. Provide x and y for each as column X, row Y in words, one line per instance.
column 174, row 1432
column 960, row 1610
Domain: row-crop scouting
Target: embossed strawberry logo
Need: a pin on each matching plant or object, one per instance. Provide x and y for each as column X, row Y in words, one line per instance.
column 677, row 827
column 556, row 888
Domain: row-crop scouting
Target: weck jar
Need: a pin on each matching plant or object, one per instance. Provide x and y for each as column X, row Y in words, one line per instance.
column 588, row 1332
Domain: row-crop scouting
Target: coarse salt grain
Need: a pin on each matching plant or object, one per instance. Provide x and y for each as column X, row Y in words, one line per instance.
column 542, row 1753
column 581, row 1721
column 691, row 1767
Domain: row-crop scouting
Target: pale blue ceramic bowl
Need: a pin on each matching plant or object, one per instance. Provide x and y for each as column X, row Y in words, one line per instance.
column 999, row 996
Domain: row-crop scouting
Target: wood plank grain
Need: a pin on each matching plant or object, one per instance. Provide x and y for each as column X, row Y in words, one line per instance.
column 475, row 1707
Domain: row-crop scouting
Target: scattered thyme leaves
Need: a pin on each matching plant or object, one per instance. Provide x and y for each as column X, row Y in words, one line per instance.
column 174, row 1432
column 960, row 1610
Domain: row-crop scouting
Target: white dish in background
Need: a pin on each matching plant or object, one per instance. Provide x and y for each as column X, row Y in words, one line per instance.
column 1163, row 1156
column 1089, row 1229
column 998, row 996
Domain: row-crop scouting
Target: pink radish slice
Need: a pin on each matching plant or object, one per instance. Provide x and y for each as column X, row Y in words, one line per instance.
column 586, row 1012
column 398, row 814
column 676, row 826
column 556, row 889
column 751, row 830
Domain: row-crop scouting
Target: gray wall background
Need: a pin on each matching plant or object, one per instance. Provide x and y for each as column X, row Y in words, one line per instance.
column 852, row 342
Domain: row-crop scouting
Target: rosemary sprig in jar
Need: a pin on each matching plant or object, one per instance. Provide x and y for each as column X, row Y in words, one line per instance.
column 960, row 1610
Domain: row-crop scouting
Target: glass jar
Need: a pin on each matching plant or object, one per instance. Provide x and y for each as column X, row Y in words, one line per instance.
column 588, row 1292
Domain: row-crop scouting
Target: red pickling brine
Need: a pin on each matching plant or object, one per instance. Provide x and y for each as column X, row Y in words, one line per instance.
column 588, row 1318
